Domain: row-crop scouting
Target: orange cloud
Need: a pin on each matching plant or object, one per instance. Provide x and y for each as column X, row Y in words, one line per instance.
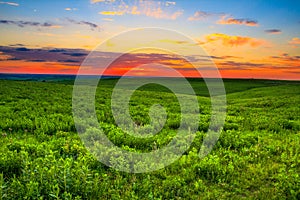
column 228, row 40
column 286, row 61
column 4, row 57
column 246, row 22
column 295, row 41
column 112, row 12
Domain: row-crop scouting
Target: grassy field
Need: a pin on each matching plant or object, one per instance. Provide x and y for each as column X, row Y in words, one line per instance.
column 256, row 157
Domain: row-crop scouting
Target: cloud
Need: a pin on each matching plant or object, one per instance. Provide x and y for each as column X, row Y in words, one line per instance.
column 222, row 57
column 199, row 15
column 157, row 13
column 4, row 56
column 273, row 31
column 93, row 26
column 130, row 61
column 228, row 40
column 29, row 23
column 154, row 9
column 108, row 19
column 160, row 15
column 269, row 64
column 76, row 54
column 9, row 3
column 42, row 54
column 37, row 60
column 295, row 41
column 283, row 61
column 112, row 12
column 293, row 72
column 69, row 61
column 22, row 49
column 174, row 41
column 285, row 57
column 246, row 22
column 43, row 58
column 97, row 1
column 168, row 3
column 71, row 9
column 242, row 64
column 17, row 45
column 57, row 50
column 62, row 58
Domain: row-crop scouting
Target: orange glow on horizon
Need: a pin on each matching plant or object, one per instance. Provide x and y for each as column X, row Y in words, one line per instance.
column 118, row 69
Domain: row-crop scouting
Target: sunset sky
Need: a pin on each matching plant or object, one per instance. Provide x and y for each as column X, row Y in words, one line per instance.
column 245, row 39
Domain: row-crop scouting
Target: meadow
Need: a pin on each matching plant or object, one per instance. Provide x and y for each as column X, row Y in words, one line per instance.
column 256, row 156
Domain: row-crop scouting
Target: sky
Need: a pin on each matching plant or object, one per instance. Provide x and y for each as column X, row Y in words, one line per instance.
column 243, row 39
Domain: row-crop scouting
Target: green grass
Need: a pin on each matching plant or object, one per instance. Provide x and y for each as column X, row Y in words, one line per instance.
column 256, row 157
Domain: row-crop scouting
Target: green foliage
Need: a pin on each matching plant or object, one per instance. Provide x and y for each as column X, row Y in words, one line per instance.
column 256, row 156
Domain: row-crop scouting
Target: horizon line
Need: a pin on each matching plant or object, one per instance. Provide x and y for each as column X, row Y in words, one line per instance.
column 118, row 76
